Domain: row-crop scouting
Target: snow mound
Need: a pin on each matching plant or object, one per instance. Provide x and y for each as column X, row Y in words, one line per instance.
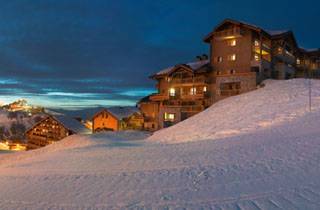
column 276, row 103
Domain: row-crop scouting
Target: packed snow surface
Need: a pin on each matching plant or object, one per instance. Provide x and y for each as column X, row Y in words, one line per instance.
column 277, row 103
column 273, row 167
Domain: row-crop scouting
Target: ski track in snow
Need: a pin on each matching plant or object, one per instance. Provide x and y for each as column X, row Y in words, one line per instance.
column 273, row 168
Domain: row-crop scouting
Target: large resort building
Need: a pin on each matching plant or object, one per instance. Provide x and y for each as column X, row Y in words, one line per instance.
column 241, row 57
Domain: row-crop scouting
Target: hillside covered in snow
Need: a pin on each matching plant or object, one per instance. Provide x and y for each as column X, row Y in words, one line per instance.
column 277, row 103
column 270, row 160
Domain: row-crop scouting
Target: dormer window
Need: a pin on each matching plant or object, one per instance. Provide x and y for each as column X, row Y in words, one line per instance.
column 256, row 43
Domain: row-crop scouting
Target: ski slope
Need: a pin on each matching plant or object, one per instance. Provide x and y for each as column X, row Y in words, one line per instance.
column 272, row 167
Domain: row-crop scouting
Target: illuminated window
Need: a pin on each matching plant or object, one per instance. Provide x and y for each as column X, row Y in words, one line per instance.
column 193, row 91
column 298, row 61
column 232, row 57
column 232, row 42
column 256, row 43
column 232, row 71
column 205, row 89
column 169, row 116
column 256, row 57
column 219, row 59
column 172, row 92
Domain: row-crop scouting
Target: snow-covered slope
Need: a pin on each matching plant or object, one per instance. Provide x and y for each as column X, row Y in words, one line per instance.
column 277, row 103
column 273, row 167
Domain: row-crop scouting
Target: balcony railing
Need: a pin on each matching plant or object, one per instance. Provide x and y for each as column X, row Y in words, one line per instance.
column 159, row 97
column 191, row 80
column 228, row 33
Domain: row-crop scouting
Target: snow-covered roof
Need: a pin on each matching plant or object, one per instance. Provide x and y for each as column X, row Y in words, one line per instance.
column 72, row 124
column 121, row 112
column 277, row 32
column 310, row 50
column 192, row 65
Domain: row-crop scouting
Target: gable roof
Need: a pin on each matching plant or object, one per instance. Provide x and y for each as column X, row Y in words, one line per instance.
column 68, row 123
column 119, row 112
column 235, row 22
column 72, row 124
column 284, row 34
column 192, row 67
column 270, row 33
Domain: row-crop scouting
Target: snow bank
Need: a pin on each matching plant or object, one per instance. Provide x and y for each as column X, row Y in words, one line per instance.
column 278, row 102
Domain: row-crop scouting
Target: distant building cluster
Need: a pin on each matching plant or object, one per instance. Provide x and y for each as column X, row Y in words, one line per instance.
column 54, row 128
column 241, row 56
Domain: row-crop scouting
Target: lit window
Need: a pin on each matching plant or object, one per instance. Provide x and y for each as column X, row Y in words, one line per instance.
column 256, row 43
column 219, row 59
column 172, row 92
column 232, row 42
column 298, row 61
column 193, row 91
column 232, row 71
column 205, row 89
column 169, row 116
column 232, row 57
column 256, row 57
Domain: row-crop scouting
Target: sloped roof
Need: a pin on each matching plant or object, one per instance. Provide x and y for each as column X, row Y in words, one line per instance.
column 192, row 66
column 72, row 124
column 69, row 123
column 277, row 32
column 271, row 33
column 236, row 22
column 120, row 112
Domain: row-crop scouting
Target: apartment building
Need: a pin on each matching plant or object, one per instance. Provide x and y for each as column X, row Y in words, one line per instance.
column 241, row 56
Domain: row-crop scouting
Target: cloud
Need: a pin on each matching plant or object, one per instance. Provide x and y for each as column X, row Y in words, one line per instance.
column 107, row 49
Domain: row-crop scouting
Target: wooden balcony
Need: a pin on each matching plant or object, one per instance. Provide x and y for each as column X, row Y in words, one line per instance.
column 159, row 97
column 286, row 57
column 263, row 63
column 228, row 34
column 195, row 108
column 191, row 80
column 192, row 97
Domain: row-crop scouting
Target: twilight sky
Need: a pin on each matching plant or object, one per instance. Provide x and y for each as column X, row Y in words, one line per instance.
column 78, row 53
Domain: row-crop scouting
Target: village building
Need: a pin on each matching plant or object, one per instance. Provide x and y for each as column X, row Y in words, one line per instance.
column 53, row 129
column 116, row 119
column 241, row 56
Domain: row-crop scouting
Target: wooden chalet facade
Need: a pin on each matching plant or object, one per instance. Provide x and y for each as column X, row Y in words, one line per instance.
column 105, row 121
column 53, row 129
column 241, row 56
column 116, row 119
